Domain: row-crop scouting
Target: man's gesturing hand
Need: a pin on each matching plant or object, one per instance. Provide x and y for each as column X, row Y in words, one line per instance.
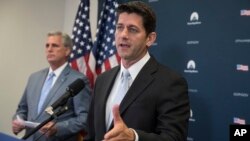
column 120, row 132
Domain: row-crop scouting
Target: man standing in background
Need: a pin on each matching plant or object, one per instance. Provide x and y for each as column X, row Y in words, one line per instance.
column 48, row 85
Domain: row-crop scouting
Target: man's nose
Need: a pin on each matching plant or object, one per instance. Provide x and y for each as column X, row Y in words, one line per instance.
column 124, row 33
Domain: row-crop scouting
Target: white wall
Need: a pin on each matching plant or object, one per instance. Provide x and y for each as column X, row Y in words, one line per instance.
column 23, row 28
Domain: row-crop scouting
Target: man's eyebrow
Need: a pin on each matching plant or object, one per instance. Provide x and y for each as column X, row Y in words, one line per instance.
column 53, row 45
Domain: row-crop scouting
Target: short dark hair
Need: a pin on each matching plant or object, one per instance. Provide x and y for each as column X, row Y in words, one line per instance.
column 142, row 9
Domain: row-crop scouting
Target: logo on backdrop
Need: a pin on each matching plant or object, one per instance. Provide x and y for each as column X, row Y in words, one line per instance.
column 190, row 139
column 240, row 41
column 155, row 44
column 240, row 94
column 191, row 67
column 240, row 67
column 194, row 19
column 190, row 90
column 191, row 118
column 194, row 42
column 153, row 0
column 245, row 12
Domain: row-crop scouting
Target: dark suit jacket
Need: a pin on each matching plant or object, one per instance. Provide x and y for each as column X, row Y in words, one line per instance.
column 70, row 123
column 156, row 105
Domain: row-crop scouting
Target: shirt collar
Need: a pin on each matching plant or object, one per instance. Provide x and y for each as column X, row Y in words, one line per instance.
column 59, row 70
column 136, row 67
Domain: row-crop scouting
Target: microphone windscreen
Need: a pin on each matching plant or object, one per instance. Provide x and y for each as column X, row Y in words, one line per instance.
column 76, row 86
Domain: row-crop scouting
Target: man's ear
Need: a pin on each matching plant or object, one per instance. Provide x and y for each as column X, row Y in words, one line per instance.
column 151, row 39
column 68, row 51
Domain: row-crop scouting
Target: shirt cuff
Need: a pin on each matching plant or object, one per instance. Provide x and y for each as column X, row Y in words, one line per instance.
column 136, row 135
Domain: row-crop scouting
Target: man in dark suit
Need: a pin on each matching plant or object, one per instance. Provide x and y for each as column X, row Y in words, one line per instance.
column 156, row 105
column 31, row 106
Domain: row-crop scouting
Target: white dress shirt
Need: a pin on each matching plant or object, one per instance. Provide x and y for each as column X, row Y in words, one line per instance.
column 133, row 70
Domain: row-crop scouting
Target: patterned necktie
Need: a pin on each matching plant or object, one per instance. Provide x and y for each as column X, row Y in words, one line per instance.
column 122, row 90
column 45, row 90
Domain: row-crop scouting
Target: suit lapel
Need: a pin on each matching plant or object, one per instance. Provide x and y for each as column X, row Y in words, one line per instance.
column 109, row 83
column 53, row 92
column 103, row 96
column 141, row 82
column 40, row 82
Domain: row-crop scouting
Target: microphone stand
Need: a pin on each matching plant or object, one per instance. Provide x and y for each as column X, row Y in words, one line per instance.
column 53, row 116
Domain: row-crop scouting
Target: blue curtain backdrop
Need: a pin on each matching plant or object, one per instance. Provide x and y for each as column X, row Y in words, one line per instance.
column 208, row 42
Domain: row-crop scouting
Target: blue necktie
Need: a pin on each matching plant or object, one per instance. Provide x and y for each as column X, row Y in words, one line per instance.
column 122, row 90
column 45, row 90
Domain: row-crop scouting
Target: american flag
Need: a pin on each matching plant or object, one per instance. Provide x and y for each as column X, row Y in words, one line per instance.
column 245, row 12
column 82, row 41
column 239, row 121
column 103, row 55
column 241, row 67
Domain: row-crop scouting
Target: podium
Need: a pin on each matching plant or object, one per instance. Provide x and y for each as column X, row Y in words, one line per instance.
column 4, row 137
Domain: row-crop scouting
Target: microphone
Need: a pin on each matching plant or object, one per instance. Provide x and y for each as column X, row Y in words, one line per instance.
column 73, row 89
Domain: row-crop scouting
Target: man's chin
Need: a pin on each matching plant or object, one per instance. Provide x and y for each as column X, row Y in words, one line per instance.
column 50, row 61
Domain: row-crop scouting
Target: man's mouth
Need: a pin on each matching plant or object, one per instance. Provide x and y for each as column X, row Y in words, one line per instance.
column 124, row 45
